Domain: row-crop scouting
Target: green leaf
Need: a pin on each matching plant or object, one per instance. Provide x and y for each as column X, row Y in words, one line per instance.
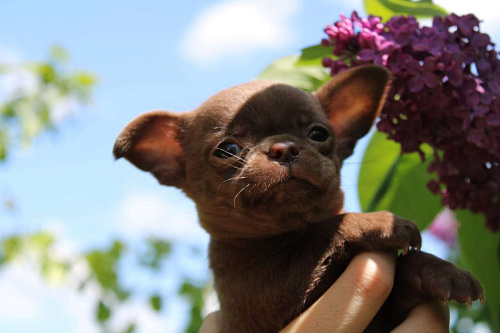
column 308, row 78
column 480, row 254
column 47, row 72
column 41, row 241
column 313, row 55
column 195, row 296
column 4, row 142
column 3, row 151
column 116, row 250
column 104, row 265
column 86, row 78
column 380, row 156
column 156, row 302
column 53, row 270
column 27, row 116
column 396, row 183
column 59, row 53
column 103, row 312
column 130, row 328
column 157, row 251
column 411, row 198
column 9, row 203
column 389, row 8
column 11, row 248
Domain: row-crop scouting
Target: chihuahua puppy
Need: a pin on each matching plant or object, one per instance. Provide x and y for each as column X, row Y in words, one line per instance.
column 262, row 163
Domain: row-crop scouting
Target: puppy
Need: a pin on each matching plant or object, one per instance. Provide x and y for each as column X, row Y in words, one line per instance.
column 262, row 163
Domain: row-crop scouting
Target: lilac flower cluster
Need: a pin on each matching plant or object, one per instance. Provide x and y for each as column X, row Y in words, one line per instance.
column 445, row 93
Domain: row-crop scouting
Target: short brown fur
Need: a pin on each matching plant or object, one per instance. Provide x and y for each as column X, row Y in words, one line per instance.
column 279, row 237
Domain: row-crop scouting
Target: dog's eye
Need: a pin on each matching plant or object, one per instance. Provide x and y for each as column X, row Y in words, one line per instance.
column 227, row 149
column 318, row 134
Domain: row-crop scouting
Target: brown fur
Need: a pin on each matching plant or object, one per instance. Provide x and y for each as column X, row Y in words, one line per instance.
column 279, row 237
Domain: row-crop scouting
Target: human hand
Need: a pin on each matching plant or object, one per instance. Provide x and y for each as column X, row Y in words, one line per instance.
column 355, row 298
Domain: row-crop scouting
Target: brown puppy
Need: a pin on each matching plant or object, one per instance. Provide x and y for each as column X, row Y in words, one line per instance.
column 261, row 161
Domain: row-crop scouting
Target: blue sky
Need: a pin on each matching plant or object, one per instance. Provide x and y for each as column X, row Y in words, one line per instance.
column 148, row 55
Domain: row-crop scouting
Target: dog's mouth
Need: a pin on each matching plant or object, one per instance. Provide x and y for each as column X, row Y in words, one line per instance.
column 282, row 186
column 287, row 175
column 299, row 173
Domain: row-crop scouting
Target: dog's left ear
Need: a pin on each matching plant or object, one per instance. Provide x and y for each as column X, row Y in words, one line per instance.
column 353, row 100
column 152, row 143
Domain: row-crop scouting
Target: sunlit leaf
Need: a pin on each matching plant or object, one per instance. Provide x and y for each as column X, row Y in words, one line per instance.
column 389, row 8
column 313, row 55
column 308, row 78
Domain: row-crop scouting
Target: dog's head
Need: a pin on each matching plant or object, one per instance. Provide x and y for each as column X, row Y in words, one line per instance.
column 260, row 158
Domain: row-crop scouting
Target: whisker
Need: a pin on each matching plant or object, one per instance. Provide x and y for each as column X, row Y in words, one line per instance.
column 227, row 180
column 232, row 166
column 234, row 201
column 250, row 190
column 233, row 155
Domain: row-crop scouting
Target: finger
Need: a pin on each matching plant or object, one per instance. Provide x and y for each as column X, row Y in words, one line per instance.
column 354, row 299
column 429, row 317
column 210, row 324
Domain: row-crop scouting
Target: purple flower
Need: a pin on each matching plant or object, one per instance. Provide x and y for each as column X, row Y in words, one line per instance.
column 445, row 227
column 445, row 93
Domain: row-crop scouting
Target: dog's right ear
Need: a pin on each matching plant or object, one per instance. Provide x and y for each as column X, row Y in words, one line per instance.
column 353, row 100
column 152, row 143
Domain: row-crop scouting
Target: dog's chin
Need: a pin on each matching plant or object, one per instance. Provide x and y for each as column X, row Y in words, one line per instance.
column 294, row 195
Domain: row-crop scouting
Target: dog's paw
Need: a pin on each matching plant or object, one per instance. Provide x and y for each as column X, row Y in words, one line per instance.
column 380, row 231
column 405, row 235
column 395, row 233
column 439, row 279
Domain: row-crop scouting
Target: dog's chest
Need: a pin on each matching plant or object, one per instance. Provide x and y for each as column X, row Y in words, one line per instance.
column 262, row 291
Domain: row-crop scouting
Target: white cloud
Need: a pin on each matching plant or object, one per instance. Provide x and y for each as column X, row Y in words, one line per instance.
column 171, row 215
column 238, row 29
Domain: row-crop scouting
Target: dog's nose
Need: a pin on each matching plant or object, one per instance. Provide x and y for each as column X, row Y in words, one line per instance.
column 285, row 152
